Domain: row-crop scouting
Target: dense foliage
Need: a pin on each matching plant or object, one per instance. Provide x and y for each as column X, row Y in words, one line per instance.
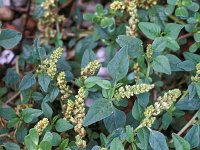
column 144, row 93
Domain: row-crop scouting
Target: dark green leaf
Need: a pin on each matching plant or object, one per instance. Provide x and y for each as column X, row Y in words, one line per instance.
column 151, row 30
column 27, row 81
column 63, row 125
column 46, row 109
column 44, row 80
column 99, row 110
column 9, row 38
column 180, row 143
column 11, row 146
column 157, row 141
column 192, row 136
column 116, row 144
column 161, row 64
column 116, row 120
column 88, row 56
column 29, row 114
column 118, row 66
column 137, row 111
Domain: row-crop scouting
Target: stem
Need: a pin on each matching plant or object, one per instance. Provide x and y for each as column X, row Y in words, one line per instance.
column 185, row 36
column 12, row 98
column 188, row 124
column 148, row 69
column 175, row 19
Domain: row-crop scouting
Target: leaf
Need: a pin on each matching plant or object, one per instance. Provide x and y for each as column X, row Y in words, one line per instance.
column 181, row 12
column 11, row 146
column 88, row 56
column 133, row 44
column 53, row 93
column 118, row 66
column 29, row 114
column 143, row 99
column 143, row 136
column 106, row 22
column 137, row 111
column 48, row 137
column 44, row 80
column 63, row 125
column 180, row 143
column 157, row 141
column 172, row 30
column 32, row 139
column 20, row 134
column 191, row 56
column 9, row 38
column 172, row 44
column 186, row 65
column 159, row 44
column 116, row 144
column 27, row 81
column 56, row 139
column 116, row 120
column 197, row 37
column 46, row 109
column 188, row 104
column 11, row 78
column 192, row 136
column 45, row 145
column 161, row 64
column 99, row 110
column 7, row 113
column 166, row 120
column 151, row 30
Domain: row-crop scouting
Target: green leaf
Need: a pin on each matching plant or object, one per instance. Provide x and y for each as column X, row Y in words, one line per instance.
column 37, row 96
column 172, row 2
column 11, row 78
column 53, row 93
column 99, row 9
column 29, row 114
column 161, row 64
column 166, row 120
column 172, row 30
column 88, row 56
column 151, row 30
column 118, row 66
column 27, row 81
column 32, row 139
column 159, row 44
column 44, row 80
column 45, row 145
column 134, row 45
column 143, row 99
column 46, row 109
column 88, row 16
column 157, row 141
column 188, row 104
column 137, row 111
column 48, row 137
column 172, row 44
column 56, row 139
column 7, row 113
column 9, row 38
column 116, row 120
column 129, row 134
column 91, row 81
column 100, row 109
column 11, row 146
column 20, row 134
column 192, row 136
column 63, row 125
column 193, row 57
column 197, row 37
column 180, row 143
column 13, row 122
column 106, row 22
column 116, row 144
column 181, row 12
column 143, row 136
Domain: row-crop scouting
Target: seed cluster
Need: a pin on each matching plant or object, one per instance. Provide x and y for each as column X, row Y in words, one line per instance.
column 163, row 103
column 128, row 90
column 90, row 69
column 196, row 78
column 41, row 125
column 130, row 6
column 64, row 88
column 149, row 52
column 20, row 107
column 49, row 65
column 49, row 19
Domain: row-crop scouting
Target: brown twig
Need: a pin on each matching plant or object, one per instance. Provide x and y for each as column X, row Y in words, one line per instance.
column 185, row 36
column 12, row 98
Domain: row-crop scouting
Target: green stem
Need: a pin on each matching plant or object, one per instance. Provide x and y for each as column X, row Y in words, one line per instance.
column 148, row 69
column 175, row 19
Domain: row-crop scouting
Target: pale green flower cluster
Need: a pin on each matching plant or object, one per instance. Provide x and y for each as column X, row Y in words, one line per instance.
column 49, row 65
column 41, row 125
column 163, row 103
column 90, row 69
column 64, row 88
column 149, row 52
column 196, row 78
column 128, row 90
